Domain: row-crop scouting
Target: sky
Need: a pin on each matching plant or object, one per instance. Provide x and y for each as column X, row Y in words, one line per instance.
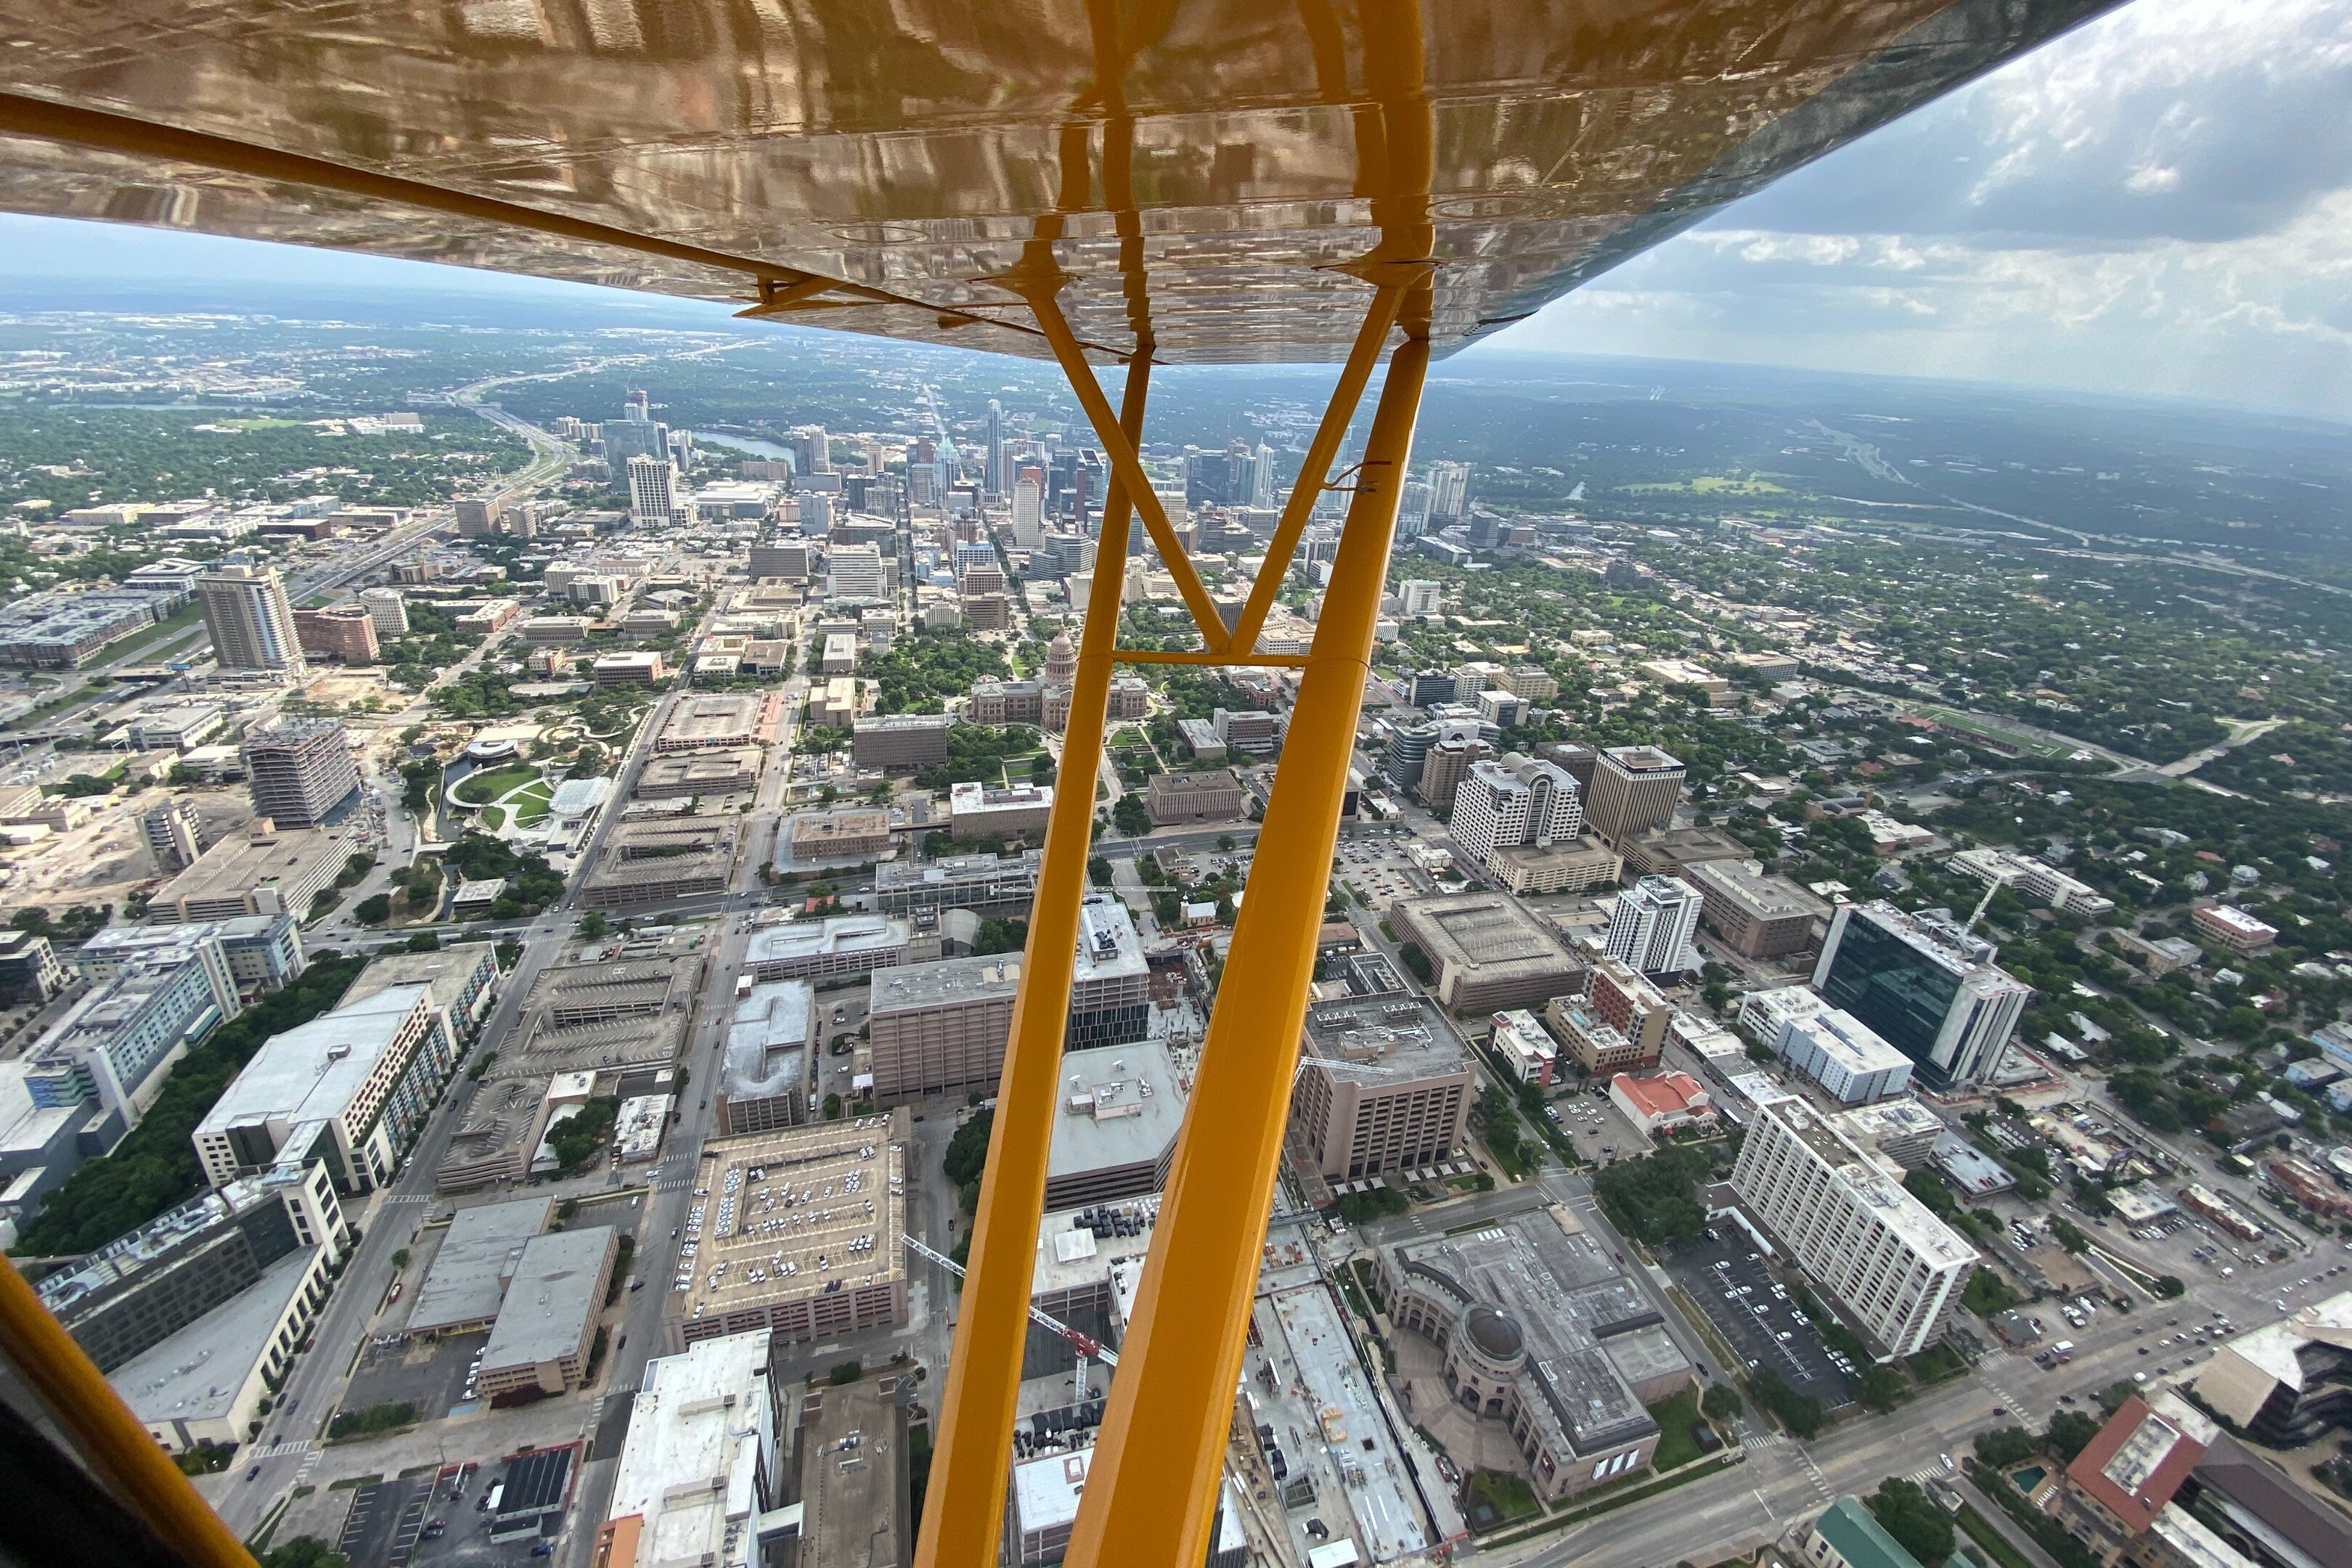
column 2159, row 202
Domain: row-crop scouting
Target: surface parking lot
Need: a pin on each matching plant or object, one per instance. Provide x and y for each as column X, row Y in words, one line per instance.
column 1753, row 1312
column 428, row 1373
column 1597, row 1128
column 1377, row 869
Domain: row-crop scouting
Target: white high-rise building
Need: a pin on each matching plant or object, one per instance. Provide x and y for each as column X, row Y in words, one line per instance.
column 1028, row 514
column 1262, row 476
column 1412, row 510
column 855, row 571
column 1449, row 491
column 991, row 457
column 1652, row 925
column 1886, row 1262
column 1417, row 596
column 653, row 490
column 387, row 609
column 1502, row 804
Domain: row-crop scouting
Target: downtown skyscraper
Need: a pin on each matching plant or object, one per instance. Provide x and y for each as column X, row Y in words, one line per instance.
column 991, row 479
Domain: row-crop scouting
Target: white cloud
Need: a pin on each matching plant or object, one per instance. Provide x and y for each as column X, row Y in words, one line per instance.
column 2159, row 202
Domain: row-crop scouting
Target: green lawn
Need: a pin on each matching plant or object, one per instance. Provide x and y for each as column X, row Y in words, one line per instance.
column 1506, row 1497
column 164, row 630
column 480, row 789
column 1937, row 1364
column 529, row 802
column 1674, row 1416
column 1981, row 1530
column 494, row 818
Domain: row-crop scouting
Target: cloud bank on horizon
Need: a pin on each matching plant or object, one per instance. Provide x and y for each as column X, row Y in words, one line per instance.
column 2158, row 202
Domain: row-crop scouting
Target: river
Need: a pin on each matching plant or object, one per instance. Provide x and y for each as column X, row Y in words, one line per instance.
column 751, row 444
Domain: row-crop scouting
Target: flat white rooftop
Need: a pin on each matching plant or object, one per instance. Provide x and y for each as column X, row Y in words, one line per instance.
column 196, row 1374
column 310, row 1072
column 692, row 1454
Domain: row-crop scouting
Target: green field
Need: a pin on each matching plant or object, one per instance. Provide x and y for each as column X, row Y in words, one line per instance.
column 1674, row 1417
column 1711, row 485
column 480, row 789
column 529, row 804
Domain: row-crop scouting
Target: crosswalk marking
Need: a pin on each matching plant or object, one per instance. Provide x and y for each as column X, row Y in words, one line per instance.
column 288, row 1445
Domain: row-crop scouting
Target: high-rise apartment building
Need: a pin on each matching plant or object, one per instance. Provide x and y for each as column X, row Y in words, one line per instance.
column 388, row 609
column 812, row 449
column 300, row 770
column 653, row 490
column 1633, row 790
column 116, row 1041
column 1928, row 987
column 991, row 455
column 1448, row 763
column 1262, row 476
column 1882, row 1257
column 251, row 624
column 1513, row 802
column 1449, row 492
column 1652, row 927
column 171, row 832
column 1632, row 1006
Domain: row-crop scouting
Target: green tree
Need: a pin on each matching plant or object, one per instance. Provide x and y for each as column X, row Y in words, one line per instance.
column 844, row 1373
column 1721, row 1402
column 305, row 1551
column 1657, row 1197
column 2070, row 1432
column 2004, row 1445
column 1987, row 1293
column 1099, row 871
column 373, row 909
column 1911, row 1517
column 593, row 925
column 1000, row 936
column 1130, row 817
column 967, row 1153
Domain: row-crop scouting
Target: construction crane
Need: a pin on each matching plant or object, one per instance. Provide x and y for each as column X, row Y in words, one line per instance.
column 1084, row 1344
column 1999, row 879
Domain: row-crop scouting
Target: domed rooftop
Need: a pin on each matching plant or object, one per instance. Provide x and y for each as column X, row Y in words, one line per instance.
column 1493, row 1332
column 1060, row 646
